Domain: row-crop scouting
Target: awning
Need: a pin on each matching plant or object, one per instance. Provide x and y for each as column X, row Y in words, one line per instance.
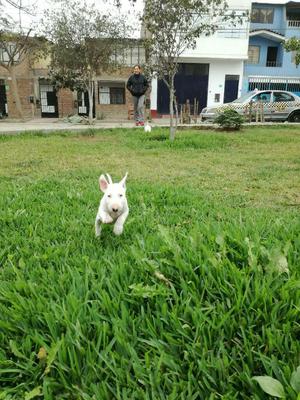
column 268, row 34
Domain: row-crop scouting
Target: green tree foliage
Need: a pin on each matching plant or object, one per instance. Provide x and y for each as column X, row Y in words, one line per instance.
column 83, row 44
column 293, row 44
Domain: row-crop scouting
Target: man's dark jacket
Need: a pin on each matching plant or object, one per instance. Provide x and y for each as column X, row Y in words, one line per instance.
column 137, row 85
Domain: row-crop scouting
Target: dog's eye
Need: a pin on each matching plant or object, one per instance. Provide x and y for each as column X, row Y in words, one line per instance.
column 120, row 195
column 109, row 195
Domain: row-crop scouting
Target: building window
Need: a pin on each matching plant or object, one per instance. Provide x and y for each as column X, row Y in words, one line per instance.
column 130, row 56
column 111, row 92
column 262, row 15
column 253, row 54
column 117, row 95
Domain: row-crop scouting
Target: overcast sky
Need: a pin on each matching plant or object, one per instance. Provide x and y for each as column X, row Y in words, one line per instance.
column 39, row 6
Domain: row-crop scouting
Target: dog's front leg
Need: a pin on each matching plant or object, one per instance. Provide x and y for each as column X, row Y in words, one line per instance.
column 105, row 217
column 97, row 226
column 118, row 228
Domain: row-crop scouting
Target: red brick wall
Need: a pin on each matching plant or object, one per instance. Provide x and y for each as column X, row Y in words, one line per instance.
column 116, row 111
column 25, row 87
column 65, row 103
column 111, row 111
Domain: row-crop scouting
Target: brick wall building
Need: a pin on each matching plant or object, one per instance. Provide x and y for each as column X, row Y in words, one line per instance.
column 40, row 99
column 7, row 100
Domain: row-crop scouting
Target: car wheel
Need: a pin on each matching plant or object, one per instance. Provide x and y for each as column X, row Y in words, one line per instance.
column 294, row 117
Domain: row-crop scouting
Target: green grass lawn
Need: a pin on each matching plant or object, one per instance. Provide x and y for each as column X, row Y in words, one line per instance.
column 199, row 294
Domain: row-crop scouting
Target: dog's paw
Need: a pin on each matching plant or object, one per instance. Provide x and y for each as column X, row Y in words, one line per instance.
column 97, row 234
column 107, row 219
column 118, row 229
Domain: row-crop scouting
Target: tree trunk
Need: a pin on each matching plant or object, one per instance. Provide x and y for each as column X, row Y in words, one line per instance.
column 176, row 112
column 15, row 92
column 172, row 127
column 91, row 101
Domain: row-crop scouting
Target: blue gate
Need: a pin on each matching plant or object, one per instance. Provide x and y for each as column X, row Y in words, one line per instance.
column 191, row 82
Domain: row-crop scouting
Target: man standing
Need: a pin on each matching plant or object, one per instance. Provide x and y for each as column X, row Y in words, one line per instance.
column 137, row 85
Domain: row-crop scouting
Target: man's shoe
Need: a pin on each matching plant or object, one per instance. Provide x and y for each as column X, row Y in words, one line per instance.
column 137, row 124
column 142, row 123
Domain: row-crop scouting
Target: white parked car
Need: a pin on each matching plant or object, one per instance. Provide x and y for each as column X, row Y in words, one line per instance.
column 278, row 105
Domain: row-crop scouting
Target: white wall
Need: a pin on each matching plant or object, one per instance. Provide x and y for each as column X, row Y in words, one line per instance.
column 153, row 94
column 216, row 79
column 217, row 47
column 229, row 41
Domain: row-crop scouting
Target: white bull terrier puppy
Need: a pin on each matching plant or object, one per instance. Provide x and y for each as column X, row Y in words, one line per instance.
column 113, row 205
column 147, row 127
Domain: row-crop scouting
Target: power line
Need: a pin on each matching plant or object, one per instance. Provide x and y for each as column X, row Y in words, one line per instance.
column 21, row 8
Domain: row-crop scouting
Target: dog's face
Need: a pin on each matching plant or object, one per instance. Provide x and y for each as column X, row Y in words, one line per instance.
column 114, row 194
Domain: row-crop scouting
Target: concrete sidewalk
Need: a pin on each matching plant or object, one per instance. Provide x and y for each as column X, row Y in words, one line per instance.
column 9, row 126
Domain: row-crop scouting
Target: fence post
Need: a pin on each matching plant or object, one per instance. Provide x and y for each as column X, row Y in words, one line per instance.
column 250, row 111
column 262, row 114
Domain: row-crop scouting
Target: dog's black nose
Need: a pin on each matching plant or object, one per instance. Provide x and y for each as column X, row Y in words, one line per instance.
column 115, row 209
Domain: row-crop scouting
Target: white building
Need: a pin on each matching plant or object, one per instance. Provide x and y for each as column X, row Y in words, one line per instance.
column 213, row 71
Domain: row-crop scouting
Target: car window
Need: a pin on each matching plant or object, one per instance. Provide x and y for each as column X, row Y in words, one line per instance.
column 280, row 96
column 243, row 98
column 264, row 97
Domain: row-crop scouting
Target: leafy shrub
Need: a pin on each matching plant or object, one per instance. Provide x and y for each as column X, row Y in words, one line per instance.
column 230, row 119
column 274, row 388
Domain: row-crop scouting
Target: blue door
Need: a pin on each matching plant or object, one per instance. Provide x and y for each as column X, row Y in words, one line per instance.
column 231, row 89
column 191, row 82
column 3, row 100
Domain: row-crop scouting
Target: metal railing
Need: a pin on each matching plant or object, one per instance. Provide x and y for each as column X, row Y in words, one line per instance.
column 274, row 83
column 268, row 64
column 294, row 23
column 273, row 64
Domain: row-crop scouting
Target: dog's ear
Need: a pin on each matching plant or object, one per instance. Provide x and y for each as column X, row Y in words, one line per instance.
column 123, row 181
column 109, row 178
column 103, row 184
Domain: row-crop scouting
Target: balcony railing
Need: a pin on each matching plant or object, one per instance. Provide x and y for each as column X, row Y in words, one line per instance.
column 273, row 64
column 294, row 23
